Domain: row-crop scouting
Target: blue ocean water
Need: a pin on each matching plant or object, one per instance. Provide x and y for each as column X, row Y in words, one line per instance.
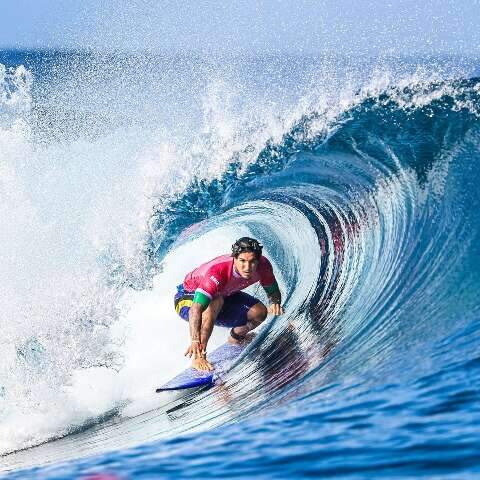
column 359, row 176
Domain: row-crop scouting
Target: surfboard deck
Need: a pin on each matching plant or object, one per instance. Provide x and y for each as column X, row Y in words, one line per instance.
column 221, row 359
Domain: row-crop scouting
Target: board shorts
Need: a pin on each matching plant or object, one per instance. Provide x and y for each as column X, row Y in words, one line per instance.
column 233, row 313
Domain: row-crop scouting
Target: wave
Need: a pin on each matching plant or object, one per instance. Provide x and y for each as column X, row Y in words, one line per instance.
column 366, row 205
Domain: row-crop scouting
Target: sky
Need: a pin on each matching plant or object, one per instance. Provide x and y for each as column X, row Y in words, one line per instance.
column 293, row 26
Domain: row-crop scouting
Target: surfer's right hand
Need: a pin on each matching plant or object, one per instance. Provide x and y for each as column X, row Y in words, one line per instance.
column 195, row 350
column 202, row 364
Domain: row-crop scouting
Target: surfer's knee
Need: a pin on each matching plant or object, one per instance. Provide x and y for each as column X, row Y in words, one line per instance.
column 257, row 314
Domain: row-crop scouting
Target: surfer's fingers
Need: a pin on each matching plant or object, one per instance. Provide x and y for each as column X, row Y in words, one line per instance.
column 276, row 309
column 196, row 351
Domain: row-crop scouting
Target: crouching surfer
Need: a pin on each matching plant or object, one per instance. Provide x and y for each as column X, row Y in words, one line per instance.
column 212, row 295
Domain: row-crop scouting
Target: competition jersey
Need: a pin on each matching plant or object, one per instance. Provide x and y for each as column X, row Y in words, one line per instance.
column 219, row 277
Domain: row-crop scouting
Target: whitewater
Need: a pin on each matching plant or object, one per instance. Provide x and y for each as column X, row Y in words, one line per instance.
column 120, row 173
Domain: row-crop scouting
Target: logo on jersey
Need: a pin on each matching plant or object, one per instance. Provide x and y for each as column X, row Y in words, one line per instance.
column 215, row 281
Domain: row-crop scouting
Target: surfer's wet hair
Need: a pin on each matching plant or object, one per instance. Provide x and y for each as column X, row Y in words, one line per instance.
column 247, row 244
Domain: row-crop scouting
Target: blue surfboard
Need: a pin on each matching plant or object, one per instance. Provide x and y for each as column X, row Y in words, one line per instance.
column 221, row 359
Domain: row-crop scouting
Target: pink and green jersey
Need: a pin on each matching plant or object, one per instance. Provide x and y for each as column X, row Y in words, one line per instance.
column 219, row 277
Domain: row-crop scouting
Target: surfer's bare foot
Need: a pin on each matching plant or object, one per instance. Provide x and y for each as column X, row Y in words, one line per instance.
column 202, row 365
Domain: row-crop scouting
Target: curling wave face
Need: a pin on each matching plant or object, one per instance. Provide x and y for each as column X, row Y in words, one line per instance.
column 367, row 208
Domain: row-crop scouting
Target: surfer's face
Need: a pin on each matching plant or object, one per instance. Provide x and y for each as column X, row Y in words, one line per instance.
column 246, row 264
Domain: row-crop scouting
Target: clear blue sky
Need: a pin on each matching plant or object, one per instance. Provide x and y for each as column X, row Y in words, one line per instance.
column 353, row 26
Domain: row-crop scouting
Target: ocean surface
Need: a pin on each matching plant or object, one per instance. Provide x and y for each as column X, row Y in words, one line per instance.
column 120, row 173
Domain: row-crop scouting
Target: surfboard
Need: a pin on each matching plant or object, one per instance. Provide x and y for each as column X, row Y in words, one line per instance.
column 221, row 359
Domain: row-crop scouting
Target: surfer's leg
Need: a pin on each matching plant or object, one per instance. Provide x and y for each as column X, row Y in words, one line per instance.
column 255, row 316
column 241, row 312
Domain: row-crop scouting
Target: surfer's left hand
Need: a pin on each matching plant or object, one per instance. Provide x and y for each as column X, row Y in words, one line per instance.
column 275, row 309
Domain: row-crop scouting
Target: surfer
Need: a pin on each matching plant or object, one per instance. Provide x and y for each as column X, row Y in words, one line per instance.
column 211, row 295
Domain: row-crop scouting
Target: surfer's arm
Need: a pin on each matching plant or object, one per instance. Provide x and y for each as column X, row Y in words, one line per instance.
column 200, row 303
column 275, row 298
column 198, row 330
column 195, row 321
column 273, row 292
column 270, row 285
column 204, row 295
column 197, row 347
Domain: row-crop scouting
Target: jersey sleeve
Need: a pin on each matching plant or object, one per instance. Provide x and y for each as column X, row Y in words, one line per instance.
column 208, row 287
column 267, row 278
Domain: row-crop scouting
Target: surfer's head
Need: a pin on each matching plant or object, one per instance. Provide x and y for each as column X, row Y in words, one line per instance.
column 246, row 252
column 247, row 244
